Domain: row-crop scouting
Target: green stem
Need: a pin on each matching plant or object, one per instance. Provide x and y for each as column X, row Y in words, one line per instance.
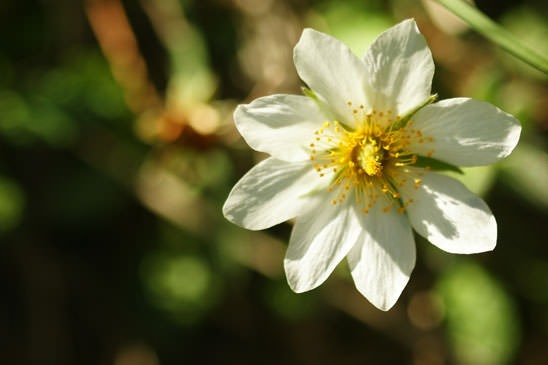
column 495, row 33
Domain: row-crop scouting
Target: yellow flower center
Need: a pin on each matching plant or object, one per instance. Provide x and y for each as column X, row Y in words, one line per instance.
column 372, row 161
column 369, row 157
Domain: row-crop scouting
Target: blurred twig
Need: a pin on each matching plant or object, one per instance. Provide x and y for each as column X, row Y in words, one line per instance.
column 115, row 36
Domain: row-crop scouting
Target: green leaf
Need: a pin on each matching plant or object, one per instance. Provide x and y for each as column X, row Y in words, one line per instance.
column 436, row 165
column 495, row 33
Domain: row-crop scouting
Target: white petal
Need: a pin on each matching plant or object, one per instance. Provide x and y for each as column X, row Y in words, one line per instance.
column 450, row 216
column 466, row 132
column 270, row 193
column 400, row 68
column 281, row 125
column 382, row 260
column 321, row 238
column 331, row 70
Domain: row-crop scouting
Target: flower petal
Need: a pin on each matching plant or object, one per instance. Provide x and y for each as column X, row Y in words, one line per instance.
column 400, row 69
column 466, row 132
column 281, row 125
column 383, row 258
column 331, row 70
column 321, row 238
column 450, row 216
column 270, row 193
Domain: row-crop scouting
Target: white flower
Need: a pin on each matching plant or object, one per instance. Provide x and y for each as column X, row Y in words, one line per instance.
column 350, row 162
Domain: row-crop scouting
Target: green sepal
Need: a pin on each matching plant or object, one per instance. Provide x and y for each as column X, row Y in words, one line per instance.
column 436, row 165
column 405, row 118
column 309, row 93
column 324, row 108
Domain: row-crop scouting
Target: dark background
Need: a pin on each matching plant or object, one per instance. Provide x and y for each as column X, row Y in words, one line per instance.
column 117, row 151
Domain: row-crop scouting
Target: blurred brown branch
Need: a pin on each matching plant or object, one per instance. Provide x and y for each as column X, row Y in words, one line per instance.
column 110, row 24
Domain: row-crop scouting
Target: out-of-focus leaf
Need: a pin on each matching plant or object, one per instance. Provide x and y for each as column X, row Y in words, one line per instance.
column 287, row 304
column 191, row 78
column 24, row 121
column 478, row 179
column 11, row 204
column 182, row 285
column 496, row 34
column 526, row 172
column 531, row 28
column 482, row 322
column 351, row 22
column 83, row 84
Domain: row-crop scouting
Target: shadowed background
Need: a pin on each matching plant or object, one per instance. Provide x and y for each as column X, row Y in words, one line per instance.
column 118, row 149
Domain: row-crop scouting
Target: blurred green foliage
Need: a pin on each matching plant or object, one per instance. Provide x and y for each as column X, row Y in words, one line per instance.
column 117, row 150
column 12, row 203
column 482, row 321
